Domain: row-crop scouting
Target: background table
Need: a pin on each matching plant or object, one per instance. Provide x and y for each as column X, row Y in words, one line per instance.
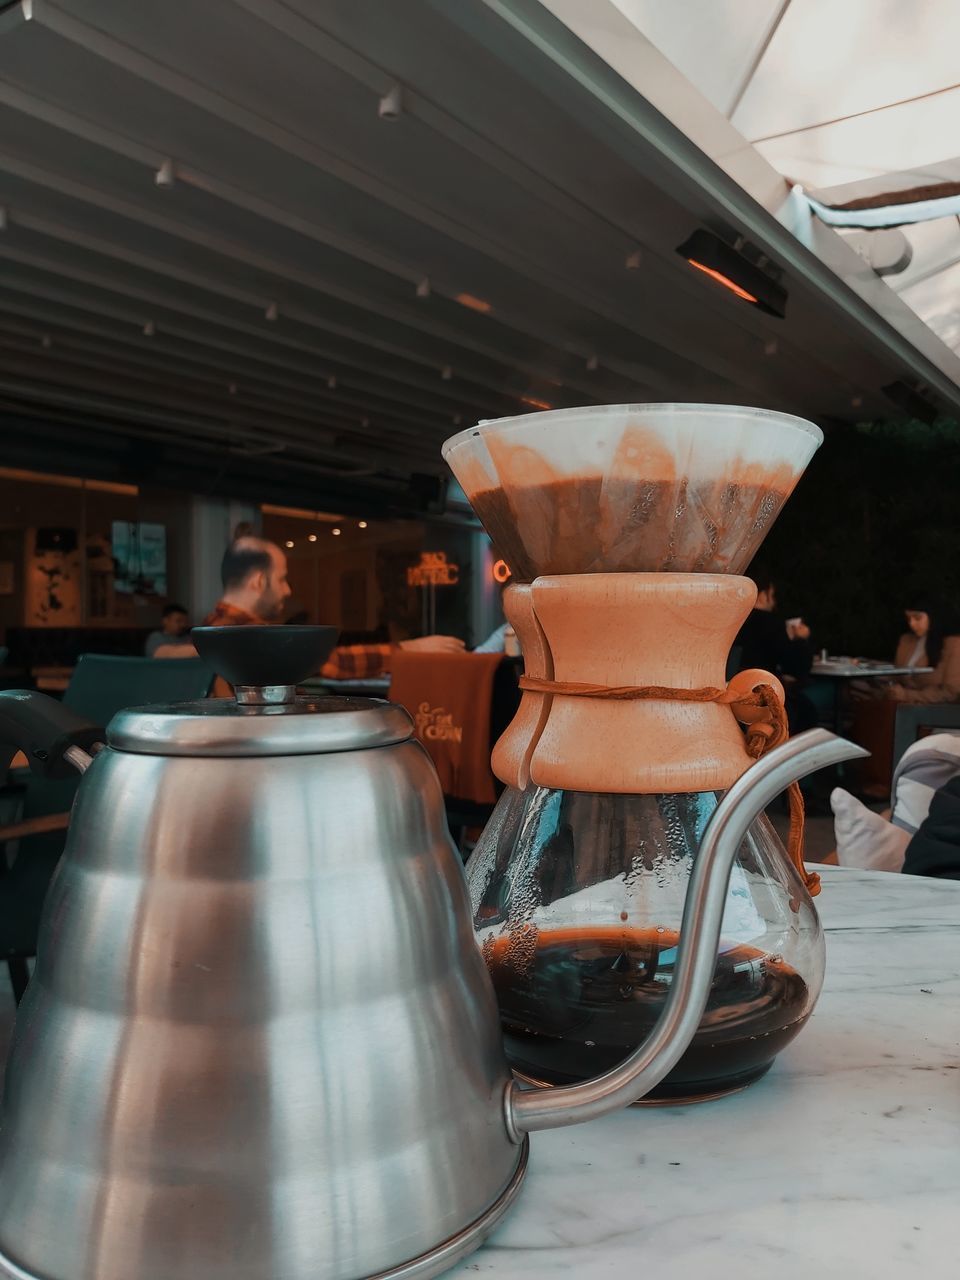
column 843, row 1162
column 839, row 671
column 848, row 669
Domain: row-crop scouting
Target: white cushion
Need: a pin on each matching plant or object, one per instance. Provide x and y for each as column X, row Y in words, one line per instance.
column 865, row 839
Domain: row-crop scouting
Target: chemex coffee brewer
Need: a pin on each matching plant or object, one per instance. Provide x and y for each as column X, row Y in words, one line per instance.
column 627, row 528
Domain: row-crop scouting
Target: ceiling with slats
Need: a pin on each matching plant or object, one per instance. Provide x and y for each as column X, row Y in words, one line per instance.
column 218, row 256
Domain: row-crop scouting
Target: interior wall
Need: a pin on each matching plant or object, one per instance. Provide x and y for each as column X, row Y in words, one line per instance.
column 44, row 589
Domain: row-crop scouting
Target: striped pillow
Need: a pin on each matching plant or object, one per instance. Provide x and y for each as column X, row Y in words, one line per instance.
column 866, row 839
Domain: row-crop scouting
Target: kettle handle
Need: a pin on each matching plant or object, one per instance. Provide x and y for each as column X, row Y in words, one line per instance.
column 54, row 739
column 531, row 1109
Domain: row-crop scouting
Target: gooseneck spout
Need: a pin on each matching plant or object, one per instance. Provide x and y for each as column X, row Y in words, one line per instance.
column 532, row 1109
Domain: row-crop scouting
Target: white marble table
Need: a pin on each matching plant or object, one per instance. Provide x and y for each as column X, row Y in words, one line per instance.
column 844, row 1161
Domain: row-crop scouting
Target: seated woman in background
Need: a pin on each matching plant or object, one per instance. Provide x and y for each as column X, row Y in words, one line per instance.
column 926, row 644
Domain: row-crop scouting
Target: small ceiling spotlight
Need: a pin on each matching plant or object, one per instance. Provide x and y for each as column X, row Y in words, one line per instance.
column 391, row 104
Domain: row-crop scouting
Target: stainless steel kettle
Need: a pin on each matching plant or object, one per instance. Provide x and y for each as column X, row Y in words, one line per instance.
column 260, row 1042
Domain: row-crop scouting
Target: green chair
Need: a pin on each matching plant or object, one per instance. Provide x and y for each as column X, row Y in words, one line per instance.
column 99, row 688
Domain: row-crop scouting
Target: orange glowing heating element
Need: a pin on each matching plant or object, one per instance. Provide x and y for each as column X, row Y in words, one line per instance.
column 537, row 404
column 474, row 303
column 722, row 279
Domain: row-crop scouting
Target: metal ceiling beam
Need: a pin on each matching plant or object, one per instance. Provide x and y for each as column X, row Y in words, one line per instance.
column 238, row 409
column 164, row 78
column 79, row 395
column 408, row 318
column 213, row 244
column 251, row 369
column 639, row 371
column 170, row 81
column 223, row 423
column 140, row 428
column 32, row 289
column 200, row 468
column 153, row 357
column 306, row 32
column 231, row 195
column 151, row 300
column 228, row 420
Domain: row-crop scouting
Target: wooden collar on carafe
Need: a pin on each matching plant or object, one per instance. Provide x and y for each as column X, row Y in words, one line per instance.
column 624, row 689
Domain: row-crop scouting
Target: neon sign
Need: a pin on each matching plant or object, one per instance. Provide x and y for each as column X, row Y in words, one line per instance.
column 433, row 570
column 501, row 571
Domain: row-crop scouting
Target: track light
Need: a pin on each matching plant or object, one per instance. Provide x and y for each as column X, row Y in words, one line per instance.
column 391, row 104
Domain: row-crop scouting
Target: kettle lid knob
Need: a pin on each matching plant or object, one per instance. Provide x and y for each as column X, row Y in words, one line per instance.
column 258, row 659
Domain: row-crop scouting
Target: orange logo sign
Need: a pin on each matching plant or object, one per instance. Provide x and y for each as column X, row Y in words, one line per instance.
column 434, row 570
column 435, row 724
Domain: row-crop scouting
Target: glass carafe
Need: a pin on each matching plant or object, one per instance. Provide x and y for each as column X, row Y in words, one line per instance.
column 577, row 902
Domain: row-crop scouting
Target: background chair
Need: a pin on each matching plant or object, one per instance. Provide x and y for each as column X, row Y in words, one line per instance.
column 916, row 720
column 460, row 704
column 99, row 688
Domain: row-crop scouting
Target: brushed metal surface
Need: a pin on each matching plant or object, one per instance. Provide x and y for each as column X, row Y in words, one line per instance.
column 260, row 1042
column 223, row 727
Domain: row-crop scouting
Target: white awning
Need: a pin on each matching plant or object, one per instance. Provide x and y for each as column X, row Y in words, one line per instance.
column 854, row 101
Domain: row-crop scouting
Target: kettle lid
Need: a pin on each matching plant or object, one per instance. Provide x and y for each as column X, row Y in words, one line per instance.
column 224, row 727
column 266, row 717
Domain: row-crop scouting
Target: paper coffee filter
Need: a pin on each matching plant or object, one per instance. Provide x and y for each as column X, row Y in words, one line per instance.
column 631, row 488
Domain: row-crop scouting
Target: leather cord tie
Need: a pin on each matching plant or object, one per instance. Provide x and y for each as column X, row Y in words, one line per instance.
column 761, row 713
